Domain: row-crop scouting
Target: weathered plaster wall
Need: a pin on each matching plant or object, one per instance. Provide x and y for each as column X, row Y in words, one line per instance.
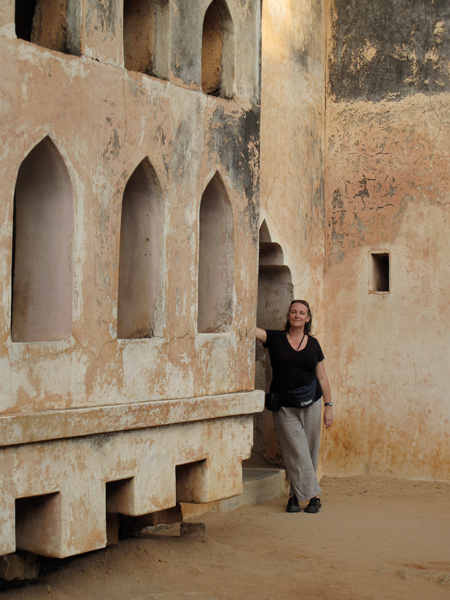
column 292, row 122
column 292, row 137
column 104, row 120
column 388, row 189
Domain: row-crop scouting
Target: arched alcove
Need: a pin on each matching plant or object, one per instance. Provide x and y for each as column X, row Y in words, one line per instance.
column 215, row 260
column 275, row 292
column 140, row 263
column 42, row 248
column 146, row 36
column 53, row 25
column 218, row 51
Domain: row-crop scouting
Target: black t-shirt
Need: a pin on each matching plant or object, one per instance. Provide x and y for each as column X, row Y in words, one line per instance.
column 291, row 369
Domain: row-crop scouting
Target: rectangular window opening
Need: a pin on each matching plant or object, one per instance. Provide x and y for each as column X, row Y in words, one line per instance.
column 379, row 272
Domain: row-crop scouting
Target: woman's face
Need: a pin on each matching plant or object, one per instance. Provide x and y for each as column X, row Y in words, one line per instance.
column 298, row 315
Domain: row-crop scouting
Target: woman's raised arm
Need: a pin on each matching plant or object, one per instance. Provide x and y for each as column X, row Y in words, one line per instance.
column 261, row 335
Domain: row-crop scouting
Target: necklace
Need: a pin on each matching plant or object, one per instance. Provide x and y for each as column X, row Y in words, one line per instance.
column 301, row 342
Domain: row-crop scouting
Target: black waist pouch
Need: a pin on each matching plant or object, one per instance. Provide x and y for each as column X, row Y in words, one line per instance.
column 300, row 397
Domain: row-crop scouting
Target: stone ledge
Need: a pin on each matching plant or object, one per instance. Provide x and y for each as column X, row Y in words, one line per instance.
column 28, row 428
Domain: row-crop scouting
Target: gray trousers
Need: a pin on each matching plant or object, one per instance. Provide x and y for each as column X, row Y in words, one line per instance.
column 298, row 432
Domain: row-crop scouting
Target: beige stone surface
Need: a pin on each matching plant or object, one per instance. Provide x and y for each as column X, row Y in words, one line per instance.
column 84, row 402
column 292, row 120
column 387, row 189
column 104, row 121
column 93, row 367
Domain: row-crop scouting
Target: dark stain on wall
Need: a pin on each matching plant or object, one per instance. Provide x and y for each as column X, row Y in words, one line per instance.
column 73, row 41
column 308, row 53
column 236, row 140
column 187, row 28
column 102, row 14
column 389, row 49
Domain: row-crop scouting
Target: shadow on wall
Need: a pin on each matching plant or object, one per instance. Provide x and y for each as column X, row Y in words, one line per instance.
column 215, row 259
column 275, row 291
column 42, row 248
column 52, row 25
column 141, row 255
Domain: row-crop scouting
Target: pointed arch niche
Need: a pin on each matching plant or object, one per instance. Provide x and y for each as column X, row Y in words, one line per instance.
column 140, row 262
column 218, row 51
column 146, row 36
column 275, row 292
column 275, row 289
column 215, row 259
column 53, row 25
column 42, row 286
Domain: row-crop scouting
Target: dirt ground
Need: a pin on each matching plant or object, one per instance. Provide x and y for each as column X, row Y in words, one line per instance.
column 373, row 539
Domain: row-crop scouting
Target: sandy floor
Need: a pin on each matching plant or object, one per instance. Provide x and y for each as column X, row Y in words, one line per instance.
column 374, row 538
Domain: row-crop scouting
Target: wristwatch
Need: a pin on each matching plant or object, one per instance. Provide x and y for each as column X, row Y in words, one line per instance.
column 328, row 404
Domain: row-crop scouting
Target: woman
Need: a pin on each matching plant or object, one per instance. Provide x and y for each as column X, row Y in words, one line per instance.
column 297, row 360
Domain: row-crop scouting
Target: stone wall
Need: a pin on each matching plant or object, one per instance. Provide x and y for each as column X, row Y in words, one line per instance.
column 388, row 193
column 109, row 378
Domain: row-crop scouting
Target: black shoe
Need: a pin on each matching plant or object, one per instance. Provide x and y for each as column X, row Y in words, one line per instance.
column 314, row 506
column 293, row 505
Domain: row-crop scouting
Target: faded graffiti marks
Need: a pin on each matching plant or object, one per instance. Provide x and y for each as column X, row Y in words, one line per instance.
column 383, row 158
column 361, row 211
